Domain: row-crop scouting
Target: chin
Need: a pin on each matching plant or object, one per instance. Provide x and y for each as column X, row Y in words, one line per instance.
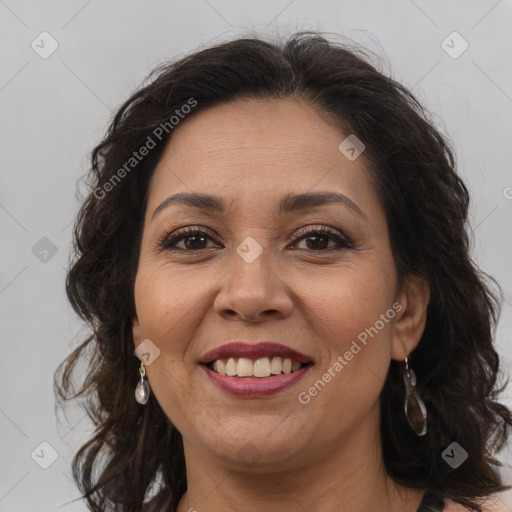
column 261, row 450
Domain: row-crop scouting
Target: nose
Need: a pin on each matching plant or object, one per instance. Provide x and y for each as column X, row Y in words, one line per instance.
column 253, row 291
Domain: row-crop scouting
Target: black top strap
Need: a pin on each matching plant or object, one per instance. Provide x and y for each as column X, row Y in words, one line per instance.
column 431, row 503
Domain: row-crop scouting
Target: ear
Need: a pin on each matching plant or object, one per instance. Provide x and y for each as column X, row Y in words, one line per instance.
column 412, row 318
column 136, row 333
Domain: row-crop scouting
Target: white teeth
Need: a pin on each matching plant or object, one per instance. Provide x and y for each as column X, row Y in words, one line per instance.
column 276, row 366
column 244, row 368
column 231, row 367
column 221, row 367
column 262, row 367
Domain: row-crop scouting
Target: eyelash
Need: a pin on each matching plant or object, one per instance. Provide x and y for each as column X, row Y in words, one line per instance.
column 166, row 242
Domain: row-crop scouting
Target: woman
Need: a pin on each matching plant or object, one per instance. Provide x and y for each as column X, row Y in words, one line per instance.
column 280, row 234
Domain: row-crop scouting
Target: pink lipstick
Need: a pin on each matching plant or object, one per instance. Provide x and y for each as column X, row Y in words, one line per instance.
column 251, row 370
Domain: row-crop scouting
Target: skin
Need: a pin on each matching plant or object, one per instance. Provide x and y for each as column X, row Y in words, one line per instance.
column 323, row 455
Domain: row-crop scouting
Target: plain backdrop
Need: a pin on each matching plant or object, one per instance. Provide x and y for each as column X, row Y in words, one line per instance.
column 55, row 107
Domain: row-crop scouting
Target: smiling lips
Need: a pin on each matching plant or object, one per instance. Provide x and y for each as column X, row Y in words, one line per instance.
column 263, row 367
column 255, row 369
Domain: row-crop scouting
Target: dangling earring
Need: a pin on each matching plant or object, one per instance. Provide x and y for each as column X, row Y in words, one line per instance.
column 142, row 389
column 415, row 409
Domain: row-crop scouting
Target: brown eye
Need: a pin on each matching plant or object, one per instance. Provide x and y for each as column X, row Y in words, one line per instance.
column 317, row 239
column 193, row 240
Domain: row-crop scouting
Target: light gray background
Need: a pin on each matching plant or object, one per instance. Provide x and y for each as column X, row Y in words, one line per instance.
column 54, row 111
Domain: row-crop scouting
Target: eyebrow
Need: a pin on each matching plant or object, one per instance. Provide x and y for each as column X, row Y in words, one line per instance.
column 289, row 203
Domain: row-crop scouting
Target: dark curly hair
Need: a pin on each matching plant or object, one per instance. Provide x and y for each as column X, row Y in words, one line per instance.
column 135, row 460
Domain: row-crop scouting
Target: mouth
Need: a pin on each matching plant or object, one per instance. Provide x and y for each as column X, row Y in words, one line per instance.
column 243, row 367
column 255, row 360
column 252, row 370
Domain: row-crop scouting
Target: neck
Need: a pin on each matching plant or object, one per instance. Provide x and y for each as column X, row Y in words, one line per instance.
column 349, row 477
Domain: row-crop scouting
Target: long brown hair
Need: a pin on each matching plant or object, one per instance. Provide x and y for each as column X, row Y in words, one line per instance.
column 135, row 461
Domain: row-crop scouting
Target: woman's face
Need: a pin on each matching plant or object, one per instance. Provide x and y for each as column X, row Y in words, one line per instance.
column 260, row 271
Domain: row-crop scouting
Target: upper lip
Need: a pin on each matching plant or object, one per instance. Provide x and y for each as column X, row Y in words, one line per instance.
column 254, row 351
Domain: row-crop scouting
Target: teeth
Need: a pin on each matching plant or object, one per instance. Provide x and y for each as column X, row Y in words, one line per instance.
column 231, row 367
column 244, row 368
column 276, row 366
column 263, row 367
column 221, row 367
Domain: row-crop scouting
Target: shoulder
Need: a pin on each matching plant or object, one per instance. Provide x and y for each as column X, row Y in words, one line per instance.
column 491, row 504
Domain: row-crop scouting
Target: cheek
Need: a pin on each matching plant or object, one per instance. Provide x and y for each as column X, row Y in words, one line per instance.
column 345, row 302
column 162, row 313
column 352, row 316
column 168, row 303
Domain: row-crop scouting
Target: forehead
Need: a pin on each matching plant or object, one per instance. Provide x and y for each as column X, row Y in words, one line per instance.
column 256, row 151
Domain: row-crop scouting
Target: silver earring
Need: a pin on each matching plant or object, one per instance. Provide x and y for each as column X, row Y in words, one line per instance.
column 142, row 389
column 414, row 407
